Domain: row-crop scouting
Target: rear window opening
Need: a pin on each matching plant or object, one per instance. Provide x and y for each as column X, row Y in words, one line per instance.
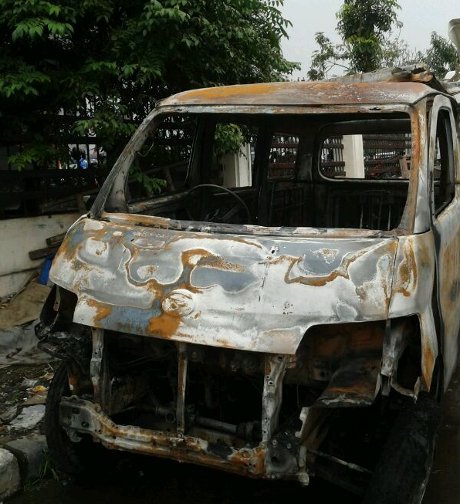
column 314, row 170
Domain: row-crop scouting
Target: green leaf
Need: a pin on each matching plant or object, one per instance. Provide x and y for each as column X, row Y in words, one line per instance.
column 106, row 63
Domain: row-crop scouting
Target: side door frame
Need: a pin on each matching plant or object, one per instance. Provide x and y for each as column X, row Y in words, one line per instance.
column 445, row 224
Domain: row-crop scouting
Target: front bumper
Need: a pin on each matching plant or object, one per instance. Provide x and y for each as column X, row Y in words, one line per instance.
column 85, row 417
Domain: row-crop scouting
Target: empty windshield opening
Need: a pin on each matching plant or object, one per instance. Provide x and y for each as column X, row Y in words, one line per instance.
column 318, row 170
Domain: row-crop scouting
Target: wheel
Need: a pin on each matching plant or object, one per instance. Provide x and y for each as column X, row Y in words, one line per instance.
column 69, row 457
column 403, row 470
column 216, row 217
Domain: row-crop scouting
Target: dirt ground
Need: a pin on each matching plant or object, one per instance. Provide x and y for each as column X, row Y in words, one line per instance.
column 137, row 479
column 140, row 480
column 21, row 386
column 444, row 484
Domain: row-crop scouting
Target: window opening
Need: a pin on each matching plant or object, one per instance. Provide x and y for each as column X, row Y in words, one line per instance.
column 443, row 190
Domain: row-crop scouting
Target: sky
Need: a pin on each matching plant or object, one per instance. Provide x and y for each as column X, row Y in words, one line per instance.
column 419, row 18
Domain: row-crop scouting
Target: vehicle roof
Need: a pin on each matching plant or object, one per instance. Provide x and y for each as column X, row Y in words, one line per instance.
column 304, row 94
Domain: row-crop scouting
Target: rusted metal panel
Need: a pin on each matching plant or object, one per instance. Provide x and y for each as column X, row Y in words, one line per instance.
column 182, row 365
column 418, row 196
column 354, row 384
column 413, row 286
column 86, row 417
column 155, row 222
column 319, row 93
column 446, row 228
column 243, row 292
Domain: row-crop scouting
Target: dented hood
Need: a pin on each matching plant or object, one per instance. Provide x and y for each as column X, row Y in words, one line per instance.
column 246, row 292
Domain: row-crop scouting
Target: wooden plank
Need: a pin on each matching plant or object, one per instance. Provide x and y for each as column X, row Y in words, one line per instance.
column 55, row 240
column 41, row 253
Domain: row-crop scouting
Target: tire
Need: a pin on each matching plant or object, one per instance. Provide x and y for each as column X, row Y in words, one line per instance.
column 403, row 470
column 68, row 457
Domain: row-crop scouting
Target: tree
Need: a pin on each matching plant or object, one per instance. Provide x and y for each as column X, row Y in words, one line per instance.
column 365, row 27
column 397, row 53
column 441, row 56
column 328, row 56
column 108, row 61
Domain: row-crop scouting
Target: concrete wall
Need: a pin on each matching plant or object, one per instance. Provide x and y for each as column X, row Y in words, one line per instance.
column 17, row 238
column 353, row 155
column 237, row 168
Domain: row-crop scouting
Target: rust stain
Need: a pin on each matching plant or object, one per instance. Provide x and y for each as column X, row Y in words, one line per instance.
column 417, row 132
column 154, row 287
column 217, row 262
column 245, row 241
column 223, row 343
column 407, row 271
column 126, row 221
column 139, row 220
column 321, row 281
column 97, row 234
column 102, row 311
column 73, row 382
column 189, row 255
column 386, row 286
column 205, row 259
column 255, row 460
column 65, row 250
column 61, row 252
column 304, row 93
column 361, row 389
column 246, row 462
column 165, row 325
column 427, row 365
column 78, row 265
column 182, row 383
column 238, row 90
column 327, row 254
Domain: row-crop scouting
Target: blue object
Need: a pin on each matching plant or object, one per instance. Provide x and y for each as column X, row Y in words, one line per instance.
column 82, row 163
column 45, row 270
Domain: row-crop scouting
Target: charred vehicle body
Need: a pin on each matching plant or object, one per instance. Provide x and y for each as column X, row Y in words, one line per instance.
column 269, row 309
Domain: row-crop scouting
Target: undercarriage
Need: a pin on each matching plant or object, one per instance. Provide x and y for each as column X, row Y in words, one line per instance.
column 317, row 413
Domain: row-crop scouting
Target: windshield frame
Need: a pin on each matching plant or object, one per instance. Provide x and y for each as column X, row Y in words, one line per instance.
column 112, row 196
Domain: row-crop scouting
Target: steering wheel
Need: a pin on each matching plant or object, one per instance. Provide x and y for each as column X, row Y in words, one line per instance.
column 228, row 214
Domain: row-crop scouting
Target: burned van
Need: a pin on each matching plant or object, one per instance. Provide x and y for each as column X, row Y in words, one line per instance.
column 268, row 279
